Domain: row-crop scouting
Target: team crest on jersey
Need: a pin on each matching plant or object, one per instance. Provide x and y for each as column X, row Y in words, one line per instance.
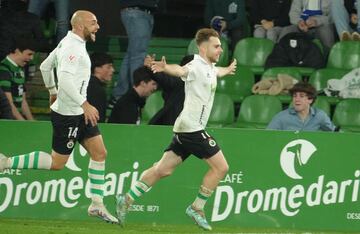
column 70, row 144
column 212, row 142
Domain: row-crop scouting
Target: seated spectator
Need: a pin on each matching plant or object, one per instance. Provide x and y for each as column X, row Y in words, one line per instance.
column 12, row 78
column 172, row 92
column 269, row 17
column 5, row 108
column 228, row 17
column 101, row 72
column 302, row 116
column 312, row 17
column 127, row 109
column 347, row 22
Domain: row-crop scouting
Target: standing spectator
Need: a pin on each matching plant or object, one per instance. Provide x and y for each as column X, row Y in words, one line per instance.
column 5, row 108
column 347, row 22
column 101, row 73
column 173, row 93
column 61, row 10
column 138, row 20
column 302, row 117
column 12, row 78
column 127, row 109
column 312, row 17
column 15, row 21
column 269, row 17
column 228, row 17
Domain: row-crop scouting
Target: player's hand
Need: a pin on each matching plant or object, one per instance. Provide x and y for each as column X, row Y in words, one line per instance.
column 311, row 22
column 302, row 26
column 232, row 67
column 354, row 18
column 52, row 99
column 91, row 114
column 268, row 25
column 158, row 66
column 148, row 60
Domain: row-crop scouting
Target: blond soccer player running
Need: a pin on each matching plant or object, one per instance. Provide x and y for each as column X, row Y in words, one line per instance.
column 200, row 77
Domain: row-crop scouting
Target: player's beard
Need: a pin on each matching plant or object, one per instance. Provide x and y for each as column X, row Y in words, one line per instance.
column 88, row 35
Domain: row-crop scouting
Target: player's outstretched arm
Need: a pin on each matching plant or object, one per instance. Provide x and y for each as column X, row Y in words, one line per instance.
column 230, row 70
column 170, row 69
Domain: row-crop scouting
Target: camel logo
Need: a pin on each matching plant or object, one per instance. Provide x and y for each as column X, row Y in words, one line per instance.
column 70, row 164
column 296, row 152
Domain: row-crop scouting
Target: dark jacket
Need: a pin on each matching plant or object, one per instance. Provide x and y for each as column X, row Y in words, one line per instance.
column 272, row 10
column 221, row 8
column 5, row 109
column 173, row 95
column 148, row 4
column 127, row 109
column 96, row 96
column 350, row 6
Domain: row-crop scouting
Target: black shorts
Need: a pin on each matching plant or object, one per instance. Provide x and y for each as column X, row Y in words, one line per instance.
column 199, row 143
column 67, row 130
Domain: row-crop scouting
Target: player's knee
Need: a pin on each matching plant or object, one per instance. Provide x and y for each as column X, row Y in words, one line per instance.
column 223, row 169
column 161, row 172
column 56, row 166
column 100, row 155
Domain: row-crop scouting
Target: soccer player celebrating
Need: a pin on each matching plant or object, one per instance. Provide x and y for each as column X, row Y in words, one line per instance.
column 73, row 118
column 200, row 76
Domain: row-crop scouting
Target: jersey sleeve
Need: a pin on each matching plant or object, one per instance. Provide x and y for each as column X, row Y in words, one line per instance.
column 69, row 62
column 46, row 69
column 191, row 71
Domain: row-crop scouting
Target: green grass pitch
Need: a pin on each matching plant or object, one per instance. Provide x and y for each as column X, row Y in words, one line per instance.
column 32, row 226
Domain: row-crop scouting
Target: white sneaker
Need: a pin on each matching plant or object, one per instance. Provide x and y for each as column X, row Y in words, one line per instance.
column 3, row 162
column 99, row 210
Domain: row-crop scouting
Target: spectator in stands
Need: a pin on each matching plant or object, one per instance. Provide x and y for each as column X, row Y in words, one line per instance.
column 61, row 10
column 5, row 108
column 228, row 17
column 172, row 92
column 15, row 21
column 302, row 116
column 127, row 109
column 138, row 20
column 101, row 72
column 12, row 78
column 347, row 22
column 269, row 17
column 313, row 18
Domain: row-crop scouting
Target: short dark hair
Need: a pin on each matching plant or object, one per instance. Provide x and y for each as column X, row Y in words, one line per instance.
column 186, row 59
column 304, row 87
column 98, row 59
column 204, row 34
column 142, row 74
column 24, row 42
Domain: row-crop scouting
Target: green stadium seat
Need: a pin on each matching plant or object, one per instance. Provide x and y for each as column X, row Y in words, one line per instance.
column 256, row 111
column 222, row 113
column 320, row 77
column 153, row 104
column 253, row 52
column 344, row 55
column 237, row 86
column 323, row 104
column 224, row 57
column 347, row 115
